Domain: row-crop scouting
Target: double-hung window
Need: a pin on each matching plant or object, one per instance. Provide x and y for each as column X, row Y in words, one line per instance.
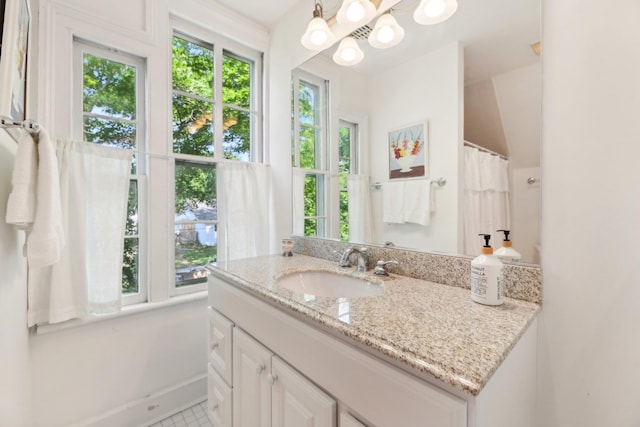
column 216, row 117
column 310, row 149
column 347, row 149
column 111, row 96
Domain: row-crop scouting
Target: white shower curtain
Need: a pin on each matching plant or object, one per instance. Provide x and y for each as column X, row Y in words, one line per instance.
column 486, row 198
column 94, row 187
column 360, row 215
column 242, row 188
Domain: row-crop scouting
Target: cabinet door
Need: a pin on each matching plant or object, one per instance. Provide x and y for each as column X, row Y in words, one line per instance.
column 251, row 382
column 220, row 344
column 219, row 400
column 347, row 420
column 297, row 401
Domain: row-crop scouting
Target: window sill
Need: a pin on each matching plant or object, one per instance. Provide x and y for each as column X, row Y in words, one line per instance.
column 126, row 311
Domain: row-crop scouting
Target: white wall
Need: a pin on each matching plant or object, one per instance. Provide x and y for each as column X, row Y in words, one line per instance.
column 589, row 327
column 519, row 96
column 431, row 92
column 14, row 338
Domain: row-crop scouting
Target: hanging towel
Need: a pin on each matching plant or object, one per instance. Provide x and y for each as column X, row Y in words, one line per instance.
column 417, row 201
column 21, row 205
column 46, row 240
column 94, row 188
column 360, row 213
column 393, row 197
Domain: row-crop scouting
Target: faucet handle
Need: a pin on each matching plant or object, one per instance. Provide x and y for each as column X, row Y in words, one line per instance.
column 381, row 267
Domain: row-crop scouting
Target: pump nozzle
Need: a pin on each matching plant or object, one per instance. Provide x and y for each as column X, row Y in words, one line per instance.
column 487, row 237
column 506, row 234
column 486, row 249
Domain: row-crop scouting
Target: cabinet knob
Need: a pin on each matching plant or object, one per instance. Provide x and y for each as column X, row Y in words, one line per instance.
column 272, row 378
column 214, row 408
column 215, row 345
column 261, row 367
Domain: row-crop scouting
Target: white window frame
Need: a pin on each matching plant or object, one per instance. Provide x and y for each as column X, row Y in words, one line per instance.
column 322, row 144
column 221, row 47
column 353, row 161
column 80, row 47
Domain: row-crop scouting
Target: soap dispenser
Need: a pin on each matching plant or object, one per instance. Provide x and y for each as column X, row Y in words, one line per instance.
column 486, row 276
column 506, row 252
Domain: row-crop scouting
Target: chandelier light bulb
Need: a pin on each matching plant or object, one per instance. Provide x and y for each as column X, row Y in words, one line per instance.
column 318, row 35
column 348, row 52
column 355, row 12
column 386, row 33
column 431, row 12
column 434, row 8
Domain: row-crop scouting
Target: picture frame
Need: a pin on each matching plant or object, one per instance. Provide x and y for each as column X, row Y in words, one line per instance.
column 16, row 18
column 408, row 152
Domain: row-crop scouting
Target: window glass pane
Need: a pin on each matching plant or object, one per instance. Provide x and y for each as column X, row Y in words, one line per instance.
column 236, row 82
column 195, row 248
column 109, row 87
column 195, row 212
column 310, row 196
column 130, row 265
column 344, row 216
column 192, row 126
column 344, row 162
column 132, row 210
column 308, row 104
column 310, row 227
column 237, row 134
column 308, row 148
column 109, row 132
column 192, row 68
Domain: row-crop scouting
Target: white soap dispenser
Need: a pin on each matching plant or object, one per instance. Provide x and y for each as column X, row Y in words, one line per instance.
column 486, row 276
column 506, row 252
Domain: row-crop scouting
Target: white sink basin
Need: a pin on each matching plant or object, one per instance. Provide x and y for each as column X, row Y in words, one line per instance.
column 327, row 284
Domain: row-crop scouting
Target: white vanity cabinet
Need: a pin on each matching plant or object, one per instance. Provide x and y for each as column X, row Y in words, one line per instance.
column 306, row 372
column 264, row 390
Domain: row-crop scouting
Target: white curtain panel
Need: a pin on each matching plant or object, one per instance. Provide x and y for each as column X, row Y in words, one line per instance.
column 94, row 187
column 360, row 213
column 486, row 198
column 243, row 192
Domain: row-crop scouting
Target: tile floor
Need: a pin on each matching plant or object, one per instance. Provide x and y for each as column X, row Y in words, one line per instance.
column 196, row 416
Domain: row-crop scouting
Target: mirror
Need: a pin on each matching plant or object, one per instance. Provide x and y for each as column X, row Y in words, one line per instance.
column 473, row 78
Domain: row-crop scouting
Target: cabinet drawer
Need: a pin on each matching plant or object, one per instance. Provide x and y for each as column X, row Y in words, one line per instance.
column 219, row 405
column 220, row 344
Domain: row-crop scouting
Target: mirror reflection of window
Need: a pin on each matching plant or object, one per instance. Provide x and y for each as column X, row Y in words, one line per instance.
column 347, row 137
column 310, row 150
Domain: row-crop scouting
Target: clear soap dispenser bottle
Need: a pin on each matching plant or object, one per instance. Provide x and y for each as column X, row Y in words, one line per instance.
column 506, row 252
column 486, row 276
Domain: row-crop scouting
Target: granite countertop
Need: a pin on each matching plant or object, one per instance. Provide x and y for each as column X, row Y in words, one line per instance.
column 428, row 328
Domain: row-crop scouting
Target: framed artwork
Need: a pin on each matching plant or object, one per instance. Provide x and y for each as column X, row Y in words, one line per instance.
column 15, row 16
column 408, row 148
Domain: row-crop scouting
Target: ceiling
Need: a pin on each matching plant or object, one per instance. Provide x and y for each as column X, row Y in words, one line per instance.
column 496, row 34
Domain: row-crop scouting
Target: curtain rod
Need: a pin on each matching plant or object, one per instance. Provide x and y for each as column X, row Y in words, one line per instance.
column 30, row 126
column 486, row 150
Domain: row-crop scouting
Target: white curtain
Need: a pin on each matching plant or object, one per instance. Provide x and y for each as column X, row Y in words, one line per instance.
column 360, row 215
column 243, row 191
column 486, row 198
column 297, row 184
column 94, row 187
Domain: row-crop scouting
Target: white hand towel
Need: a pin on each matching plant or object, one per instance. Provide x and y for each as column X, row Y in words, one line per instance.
column 393, row 202
column 21, row 205
column 417, row 202
column 46, row 240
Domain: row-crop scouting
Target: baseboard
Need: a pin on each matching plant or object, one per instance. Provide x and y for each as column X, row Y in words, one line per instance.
column 154, row 407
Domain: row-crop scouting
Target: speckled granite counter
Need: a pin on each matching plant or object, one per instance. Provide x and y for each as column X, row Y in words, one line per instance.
column 430, row 328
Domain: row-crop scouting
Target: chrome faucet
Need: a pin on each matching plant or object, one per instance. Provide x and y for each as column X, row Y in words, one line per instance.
column 362, row 261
